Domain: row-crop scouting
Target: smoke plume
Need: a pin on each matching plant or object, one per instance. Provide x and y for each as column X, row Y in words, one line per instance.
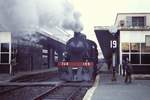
column 28, row 15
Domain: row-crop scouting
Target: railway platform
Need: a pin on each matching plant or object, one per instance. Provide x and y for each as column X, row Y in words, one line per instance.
column 7, row 77
column 105, row 89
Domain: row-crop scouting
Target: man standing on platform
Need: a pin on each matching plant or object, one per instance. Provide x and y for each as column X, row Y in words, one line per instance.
column 123, row 66
column 128, row 70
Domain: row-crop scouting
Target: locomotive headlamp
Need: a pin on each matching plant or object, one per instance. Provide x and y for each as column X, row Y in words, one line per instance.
column 93, row 47
column 64, row 53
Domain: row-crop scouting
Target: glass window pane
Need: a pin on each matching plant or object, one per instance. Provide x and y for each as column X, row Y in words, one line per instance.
column 4, row 47
column 55, row 56
column 138, row 21
column 45, row 59
column 135, row 58
column 145, row 58
column 135, row 47
column 124, row 56
column 44, row 51
column 145, row 48
column 125, row 47
column 147, row 40
column 4, row 58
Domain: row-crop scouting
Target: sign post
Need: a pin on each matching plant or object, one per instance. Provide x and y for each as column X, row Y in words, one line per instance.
column 113, row 45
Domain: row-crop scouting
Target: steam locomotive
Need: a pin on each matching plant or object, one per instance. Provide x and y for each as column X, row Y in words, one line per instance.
column 79, row 59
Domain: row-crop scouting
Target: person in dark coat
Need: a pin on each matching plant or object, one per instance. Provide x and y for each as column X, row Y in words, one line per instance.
column 128, row 70
column 123, row 66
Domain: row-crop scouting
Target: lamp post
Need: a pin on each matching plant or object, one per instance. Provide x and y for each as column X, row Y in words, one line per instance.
column 113, row 45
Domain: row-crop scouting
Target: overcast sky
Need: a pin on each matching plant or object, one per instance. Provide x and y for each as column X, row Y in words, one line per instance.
column 103, row 12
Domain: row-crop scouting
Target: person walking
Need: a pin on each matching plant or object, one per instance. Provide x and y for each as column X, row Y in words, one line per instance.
column 128, row 70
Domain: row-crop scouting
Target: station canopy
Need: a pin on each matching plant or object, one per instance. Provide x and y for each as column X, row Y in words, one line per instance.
column 56, row 33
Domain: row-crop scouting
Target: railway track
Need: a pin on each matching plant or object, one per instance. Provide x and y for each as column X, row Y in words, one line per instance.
column 65, row 91
column 44, row 91
column 6, row 89
column 24, row 91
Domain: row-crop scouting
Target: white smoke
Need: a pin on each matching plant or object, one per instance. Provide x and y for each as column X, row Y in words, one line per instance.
column 73, row 22
column 28, row 15
column 18, row 15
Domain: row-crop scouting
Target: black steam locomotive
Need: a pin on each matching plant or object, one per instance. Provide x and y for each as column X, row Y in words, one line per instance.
column 79, row 60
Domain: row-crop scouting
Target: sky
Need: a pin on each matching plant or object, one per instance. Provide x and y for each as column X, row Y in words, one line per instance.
column 103, row 12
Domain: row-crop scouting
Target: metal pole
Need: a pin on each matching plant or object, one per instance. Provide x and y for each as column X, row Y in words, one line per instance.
column 10, row 70
column 10, row 46
column 114, row 67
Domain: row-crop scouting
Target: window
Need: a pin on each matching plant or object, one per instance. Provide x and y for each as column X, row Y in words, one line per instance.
column 45, row 51
column 4, row 47
column 147, row 40
column 125, row 47
column 121, row 23
column 145, row 58
column 138, row 21
column 135, row 47
column 145, row 48
column 4, row 58
column 124, row 56
column 45, row 57
column 138, row 53
column 135, row 58
column 56, row 56
column 4, row 52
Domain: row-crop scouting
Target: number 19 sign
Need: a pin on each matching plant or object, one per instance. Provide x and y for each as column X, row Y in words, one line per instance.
column 113, row 44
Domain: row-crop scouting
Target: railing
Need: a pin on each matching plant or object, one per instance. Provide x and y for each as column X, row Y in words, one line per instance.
column 134, row 28
column 123, row 27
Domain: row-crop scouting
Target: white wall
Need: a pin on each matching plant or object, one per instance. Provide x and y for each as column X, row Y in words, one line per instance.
column 133, row 36
column 5, row 37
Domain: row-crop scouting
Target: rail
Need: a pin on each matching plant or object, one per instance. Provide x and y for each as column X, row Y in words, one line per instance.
column 62, row 92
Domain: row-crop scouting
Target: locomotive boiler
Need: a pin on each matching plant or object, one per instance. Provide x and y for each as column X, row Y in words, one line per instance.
column 79, row 60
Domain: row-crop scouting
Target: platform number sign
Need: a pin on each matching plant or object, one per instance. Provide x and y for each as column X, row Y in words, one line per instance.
column 113, row 44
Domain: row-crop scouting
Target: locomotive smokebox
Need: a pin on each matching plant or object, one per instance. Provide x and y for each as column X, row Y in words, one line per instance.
column 77, row 46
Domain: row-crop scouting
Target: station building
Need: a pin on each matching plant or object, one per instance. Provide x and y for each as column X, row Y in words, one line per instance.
column 133, row 40
column 31, row 52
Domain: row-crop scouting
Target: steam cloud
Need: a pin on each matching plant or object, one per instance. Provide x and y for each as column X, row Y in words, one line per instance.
column 28, row 15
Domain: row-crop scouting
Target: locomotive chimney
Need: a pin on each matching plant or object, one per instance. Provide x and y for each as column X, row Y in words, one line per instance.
column 77, row 34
